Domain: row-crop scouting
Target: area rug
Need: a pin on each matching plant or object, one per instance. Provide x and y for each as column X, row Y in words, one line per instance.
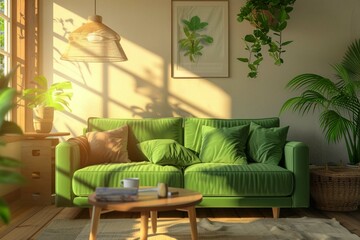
column 217, row 228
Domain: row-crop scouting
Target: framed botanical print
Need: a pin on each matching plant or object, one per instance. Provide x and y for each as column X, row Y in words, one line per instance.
column 200, row 39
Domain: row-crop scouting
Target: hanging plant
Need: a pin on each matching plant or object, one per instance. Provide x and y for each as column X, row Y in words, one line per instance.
column 269, row 17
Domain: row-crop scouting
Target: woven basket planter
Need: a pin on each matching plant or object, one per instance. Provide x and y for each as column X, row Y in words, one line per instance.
column 335, row 189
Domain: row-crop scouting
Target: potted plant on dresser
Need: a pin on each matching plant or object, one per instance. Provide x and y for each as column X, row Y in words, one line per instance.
column 44, row 99
column 269, row 18
column 335, row 188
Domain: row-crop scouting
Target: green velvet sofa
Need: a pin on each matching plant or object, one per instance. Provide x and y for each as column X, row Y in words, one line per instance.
column 223, row 185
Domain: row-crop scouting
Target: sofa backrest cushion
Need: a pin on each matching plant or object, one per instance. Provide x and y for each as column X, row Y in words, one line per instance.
column 141, row 130
column 224, row 145
column 266, row 145
column 193, row 126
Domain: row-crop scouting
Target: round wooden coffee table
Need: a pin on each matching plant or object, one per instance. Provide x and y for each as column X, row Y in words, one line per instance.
column 147, row 203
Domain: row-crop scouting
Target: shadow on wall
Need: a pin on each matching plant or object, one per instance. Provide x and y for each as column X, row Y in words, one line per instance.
column 158, row 105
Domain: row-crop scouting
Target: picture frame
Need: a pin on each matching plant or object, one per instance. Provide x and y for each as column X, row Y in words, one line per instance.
column 200, row 39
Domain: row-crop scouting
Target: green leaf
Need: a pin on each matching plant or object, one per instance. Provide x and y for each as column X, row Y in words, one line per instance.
column 273, row 48
column 207, row 39
column 194, row 23
column 283, row 15
column 4, row 80
column 286, row 43
column 278, row 62
column 250, row 38
column 252, row 74
column 185, row 22
column 10, row 162
column 186, row 31
column 6, row 99
column 10, row 177
column 289, row 9
column 41, row 81
column 10, row 127
column 243, row 59
column 258, row 61
column 203, row 25
column 282, row 26
column 252, row 67
column 4, row 212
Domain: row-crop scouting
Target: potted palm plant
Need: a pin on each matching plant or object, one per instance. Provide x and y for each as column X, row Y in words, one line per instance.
column 269, row 17
column 8, row 175
column 44, row 99
column 339, row 105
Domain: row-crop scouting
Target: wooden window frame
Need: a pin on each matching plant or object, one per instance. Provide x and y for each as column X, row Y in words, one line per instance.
column 25, row 54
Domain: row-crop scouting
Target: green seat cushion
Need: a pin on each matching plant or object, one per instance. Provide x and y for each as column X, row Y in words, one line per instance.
column 86, row 180
column 266, row 145
column 168, row 152
column 141, row 130
column 193, row 126
column 251, row 180
column 224, row 145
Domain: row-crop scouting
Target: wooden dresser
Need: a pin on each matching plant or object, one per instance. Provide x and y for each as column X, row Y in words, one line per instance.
column 38, row 157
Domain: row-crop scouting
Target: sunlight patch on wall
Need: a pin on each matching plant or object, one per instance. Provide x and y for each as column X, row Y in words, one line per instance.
column 201, row 97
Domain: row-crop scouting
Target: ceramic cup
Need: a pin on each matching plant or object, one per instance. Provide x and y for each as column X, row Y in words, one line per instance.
column 130, row 183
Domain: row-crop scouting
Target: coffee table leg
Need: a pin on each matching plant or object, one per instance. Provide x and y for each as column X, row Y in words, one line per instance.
column 95, row 217
column 192, row 218
column 154, row 216
column 144, row 225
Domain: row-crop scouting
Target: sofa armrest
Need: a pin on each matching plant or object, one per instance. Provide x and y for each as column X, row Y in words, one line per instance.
column 297, row 161
column 67, row 161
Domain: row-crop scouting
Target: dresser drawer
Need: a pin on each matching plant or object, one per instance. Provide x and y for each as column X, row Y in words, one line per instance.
column 36, row 153
column 38, row 157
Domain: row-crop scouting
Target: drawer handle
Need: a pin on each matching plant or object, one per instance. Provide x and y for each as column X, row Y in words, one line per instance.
column 36, row 152
column 36, row 195
column 35, row 175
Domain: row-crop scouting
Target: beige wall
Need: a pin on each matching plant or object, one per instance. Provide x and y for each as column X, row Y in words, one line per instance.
column 142, row 86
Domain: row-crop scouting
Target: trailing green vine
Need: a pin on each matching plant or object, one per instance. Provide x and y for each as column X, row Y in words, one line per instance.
column 269, row 18
column 194, row 42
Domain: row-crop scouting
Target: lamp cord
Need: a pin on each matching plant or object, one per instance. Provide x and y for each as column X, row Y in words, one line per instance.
column 95, row 6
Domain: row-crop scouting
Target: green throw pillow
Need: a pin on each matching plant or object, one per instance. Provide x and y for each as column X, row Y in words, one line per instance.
column 168, row 152
column 224, row 145
column 266, row 145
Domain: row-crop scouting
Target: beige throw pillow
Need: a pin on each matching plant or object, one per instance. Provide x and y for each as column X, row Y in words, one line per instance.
column 84, row 147
column 108, row 146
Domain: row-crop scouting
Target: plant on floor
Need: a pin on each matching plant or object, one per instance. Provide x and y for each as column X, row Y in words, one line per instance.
column 8, row 166
column 194, row 41
column 269, row 17
column 338, row 101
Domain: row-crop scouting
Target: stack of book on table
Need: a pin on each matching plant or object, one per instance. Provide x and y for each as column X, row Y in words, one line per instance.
column 116, row 194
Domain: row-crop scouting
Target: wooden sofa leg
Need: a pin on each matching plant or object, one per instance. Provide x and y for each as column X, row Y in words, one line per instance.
column 276, row 212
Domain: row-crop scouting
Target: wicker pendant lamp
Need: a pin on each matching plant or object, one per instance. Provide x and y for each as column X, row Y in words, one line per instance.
column 94, row 42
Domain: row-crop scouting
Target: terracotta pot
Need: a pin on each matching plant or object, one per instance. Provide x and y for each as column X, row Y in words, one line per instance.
column 272, row 22
column 43, row 118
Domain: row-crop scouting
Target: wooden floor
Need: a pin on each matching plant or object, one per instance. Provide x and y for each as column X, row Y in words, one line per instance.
column 28, row 221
